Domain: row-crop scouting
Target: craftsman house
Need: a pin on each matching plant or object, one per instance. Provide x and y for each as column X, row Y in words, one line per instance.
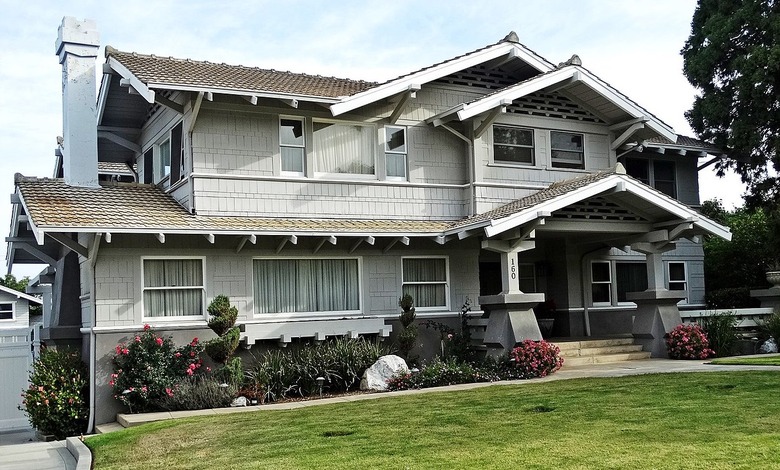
column 315, row 202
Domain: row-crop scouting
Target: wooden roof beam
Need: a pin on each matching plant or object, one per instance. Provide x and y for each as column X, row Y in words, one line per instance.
column 622, row 138
column 369, row 239
column 330, row 239
column 69, row 243
column 630, row 122
column 119, row 140
column 160, row 237
column 291, row 102
column 195, row 111
column 491, row 118
column 288, row 238
column 252, row 238
column 252, row 99
column 411, row 92
column 403, row 240
column 210, row 237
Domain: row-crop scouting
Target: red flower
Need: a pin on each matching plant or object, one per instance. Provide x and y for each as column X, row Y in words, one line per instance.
column 146, row 327
column 137, row 339
column 159, row 341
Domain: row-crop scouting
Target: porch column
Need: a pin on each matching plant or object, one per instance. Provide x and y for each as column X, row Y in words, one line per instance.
column 511, row 317
column 656, row 313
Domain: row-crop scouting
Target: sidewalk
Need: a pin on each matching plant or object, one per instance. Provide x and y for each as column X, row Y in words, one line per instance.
column 23, row 451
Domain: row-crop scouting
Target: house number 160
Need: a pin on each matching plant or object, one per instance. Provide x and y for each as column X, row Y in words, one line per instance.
column 513, row 270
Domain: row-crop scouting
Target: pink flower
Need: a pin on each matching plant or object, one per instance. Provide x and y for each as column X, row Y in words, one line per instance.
column 159, row 341
column 194, row 342
column 169, row 392
column 178, row 354
column 119, row 349
column 125, row 351
column 192, row 353
column 208, row 369
column 137, row 339
column 111, row 382
column 189, row 372
column 192, row 367
column 144, row 389
column 146, row 327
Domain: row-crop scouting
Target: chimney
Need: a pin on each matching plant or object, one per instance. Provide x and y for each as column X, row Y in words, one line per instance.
column 77, row 47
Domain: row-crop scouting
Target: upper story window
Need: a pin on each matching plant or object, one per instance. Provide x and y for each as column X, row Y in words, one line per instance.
column 567, row 150
column 166, row 158
column 343, row 148
column 292, row 145
column 163, row 159
column 173, row 288
column 395, row 152
column 426, row 280
column 6, row 311
column 659, row 174
column 513, row 145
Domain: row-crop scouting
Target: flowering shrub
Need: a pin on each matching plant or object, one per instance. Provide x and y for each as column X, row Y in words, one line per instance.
column 55, row 401
column 536, row 358
column 688, row 341
column 148, row 368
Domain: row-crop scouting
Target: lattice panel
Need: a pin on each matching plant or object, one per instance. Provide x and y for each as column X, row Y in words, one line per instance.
column 597, row 209
column 554, row 106
column 480, row 77
column 154, row 107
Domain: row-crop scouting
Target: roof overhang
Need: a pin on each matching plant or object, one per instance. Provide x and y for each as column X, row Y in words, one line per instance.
column 21, row 295
column 430, row 74
column 615, row 184
column 632, row 116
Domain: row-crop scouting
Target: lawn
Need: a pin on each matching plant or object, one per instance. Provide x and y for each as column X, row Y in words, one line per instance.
column 705, row 420
column 768, row 360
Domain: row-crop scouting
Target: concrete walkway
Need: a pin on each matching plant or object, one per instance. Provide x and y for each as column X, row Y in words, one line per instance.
column 21, row 450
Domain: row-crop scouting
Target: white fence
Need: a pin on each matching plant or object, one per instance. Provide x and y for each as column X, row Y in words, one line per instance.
column 746, row 317
column 18, row 348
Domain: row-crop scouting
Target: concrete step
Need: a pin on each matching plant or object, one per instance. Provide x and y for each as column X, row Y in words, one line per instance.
column 593, row 343
column 108, row 427
column 605, row 358
column 623, row 348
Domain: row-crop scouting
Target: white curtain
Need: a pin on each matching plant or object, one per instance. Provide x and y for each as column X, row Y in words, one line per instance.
column 306, row 285
column 176, row 288
column 425, row 280
column 343, row 148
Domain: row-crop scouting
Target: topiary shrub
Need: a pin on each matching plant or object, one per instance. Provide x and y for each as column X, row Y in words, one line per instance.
column 536, row 358
column 56, row 400
column 223, row 315
column 147, row 368
column 688, row 341
column 407, row 337
column 222, row 348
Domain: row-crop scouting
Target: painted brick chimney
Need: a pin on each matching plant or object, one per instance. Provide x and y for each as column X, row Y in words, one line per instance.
column 77, row 47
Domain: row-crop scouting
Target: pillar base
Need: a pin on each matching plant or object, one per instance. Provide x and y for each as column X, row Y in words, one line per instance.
column 656, row 315
column 511, row 320
column 769, row 298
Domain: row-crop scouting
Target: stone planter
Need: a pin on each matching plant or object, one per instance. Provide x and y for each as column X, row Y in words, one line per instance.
column 773, row 277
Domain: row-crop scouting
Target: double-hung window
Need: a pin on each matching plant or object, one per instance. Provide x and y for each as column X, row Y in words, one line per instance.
column 631, row 277
column 659, row 174
column 306, row 285
column 513, row 145
column 426, row 280
column 173, row 287
column 676, row 276
column 567, row 150
column 292, row 145
column 343, row 148
column 526, row 277
column 6, row 311
column 611, row 281
column 395, row 152
column 163, row 159
column 601, row 283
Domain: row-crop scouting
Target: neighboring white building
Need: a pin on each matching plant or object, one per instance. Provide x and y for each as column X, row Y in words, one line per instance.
column 314, row 202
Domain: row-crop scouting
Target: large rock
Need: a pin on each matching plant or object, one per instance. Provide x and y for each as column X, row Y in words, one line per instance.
column 375, row 377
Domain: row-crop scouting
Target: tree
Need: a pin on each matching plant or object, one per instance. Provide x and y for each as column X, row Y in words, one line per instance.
column 11, row 282
column 733, row 57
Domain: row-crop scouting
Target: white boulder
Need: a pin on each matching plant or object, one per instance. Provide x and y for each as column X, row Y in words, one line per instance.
column 769, row 346
column 375, row 377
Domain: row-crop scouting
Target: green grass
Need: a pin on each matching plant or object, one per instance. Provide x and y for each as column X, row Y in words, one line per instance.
column 706, row 420
column 768, row 360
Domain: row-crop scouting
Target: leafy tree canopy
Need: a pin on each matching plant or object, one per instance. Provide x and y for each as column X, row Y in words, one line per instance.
column 10, row 281
column 733, row 57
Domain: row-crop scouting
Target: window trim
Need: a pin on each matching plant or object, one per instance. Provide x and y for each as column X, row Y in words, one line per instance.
column 685, row 281
column 12, row 303
column 509, row 162
column 309, row 315
column 651, row 181
column 613, row 281
column 553, row 160
column 356, row 176
column 608, row 283
column 302, row 146
column 202, row 287
column 446, row 283
column 405, row 154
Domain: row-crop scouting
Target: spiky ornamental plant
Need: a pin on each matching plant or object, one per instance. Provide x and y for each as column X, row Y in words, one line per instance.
column 221, row 349
column 408, row 335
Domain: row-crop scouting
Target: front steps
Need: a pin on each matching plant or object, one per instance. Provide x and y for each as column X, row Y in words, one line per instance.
column 599, row 351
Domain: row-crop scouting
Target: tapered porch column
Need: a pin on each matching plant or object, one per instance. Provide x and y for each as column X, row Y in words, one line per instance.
column 511, row 317
column 656, row 313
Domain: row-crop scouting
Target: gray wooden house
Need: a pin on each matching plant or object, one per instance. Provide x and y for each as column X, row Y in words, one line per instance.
column 315, row 202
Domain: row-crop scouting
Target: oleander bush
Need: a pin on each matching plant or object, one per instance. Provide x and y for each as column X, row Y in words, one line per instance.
column 56, row 400
column 688, row 341
column 537, row 358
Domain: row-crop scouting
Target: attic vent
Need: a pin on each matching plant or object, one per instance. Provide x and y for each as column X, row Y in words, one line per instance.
column 154, row 107
column 597, row 209
column 480, row 77
column 554, row 106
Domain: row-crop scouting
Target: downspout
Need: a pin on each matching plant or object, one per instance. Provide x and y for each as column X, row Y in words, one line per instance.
column 471, row 158
column 92, row 336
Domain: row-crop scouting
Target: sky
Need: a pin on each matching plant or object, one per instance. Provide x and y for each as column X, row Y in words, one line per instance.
column 634, row 45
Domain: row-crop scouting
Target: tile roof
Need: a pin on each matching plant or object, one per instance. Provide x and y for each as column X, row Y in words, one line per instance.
column 152, row 69
column 115, row 168
column 687, row 142
column 130, row 206
column 557, row 189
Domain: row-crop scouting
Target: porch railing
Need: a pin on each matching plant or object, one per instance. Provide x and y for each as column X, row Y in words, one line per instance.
column 746, row 317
